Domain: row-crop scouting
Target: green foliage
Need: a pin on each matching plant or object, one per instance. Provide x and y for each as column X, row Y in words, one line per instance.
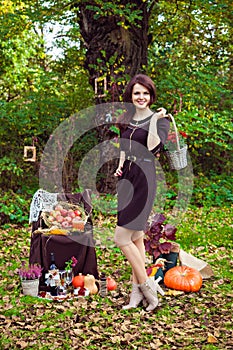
column 125, row 12
column 188, row 58
column 215, row 190
column 209, row 139
column 16, row 174
column 14, row 208
column 7, row 166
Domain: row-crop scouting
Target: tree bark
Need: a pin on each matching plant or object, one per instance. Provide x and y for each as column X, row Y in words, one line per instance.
column 115, row 52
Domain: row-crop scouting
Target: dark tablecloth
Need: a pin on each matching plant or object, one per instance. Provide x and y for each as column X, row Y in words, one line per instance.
column 80, row 245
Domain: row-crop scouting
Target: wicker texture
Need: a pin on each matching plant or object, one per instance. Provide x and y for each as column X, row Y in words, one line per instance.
column 178, row 158
column 50, row 224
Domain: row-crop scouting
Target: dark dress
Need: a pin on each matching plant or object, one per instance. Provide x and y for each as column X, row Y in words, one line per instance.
column 137, row 185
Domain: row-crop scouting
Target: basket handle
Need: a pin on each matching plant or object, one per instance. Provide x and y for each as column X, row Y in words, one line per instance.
column 176, row 131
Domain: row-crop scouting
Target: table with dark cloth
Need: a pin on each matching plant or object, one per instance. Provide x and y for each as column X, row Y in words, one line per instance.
column 81, row 245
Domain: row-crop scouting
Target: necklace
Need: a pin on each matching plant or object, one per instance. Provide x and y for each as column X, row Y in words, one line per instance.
column 142, row 122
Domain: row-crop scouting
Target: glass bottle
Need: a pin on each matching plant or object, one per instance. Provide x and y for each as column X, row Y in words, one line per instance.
column 52, row 265
column 53, row 285
column 103, row 285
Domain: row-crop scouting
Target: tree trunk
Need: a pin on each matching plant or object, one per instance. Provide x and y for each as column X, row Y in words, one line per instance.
column 114, row 52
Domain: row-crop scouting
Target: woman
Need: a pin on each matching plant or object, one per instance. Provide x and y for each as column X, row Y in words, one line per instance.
column 143, row 133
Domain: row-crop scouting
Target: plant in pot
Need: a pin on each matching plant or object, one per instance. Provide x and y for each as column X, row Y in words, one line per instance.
column 157, row 243
column 30, row 275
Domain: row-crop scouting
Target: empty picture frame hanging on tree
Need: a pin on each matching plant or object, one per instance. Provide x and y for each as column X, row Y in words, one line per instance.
column 29, row 153
column 100, row 86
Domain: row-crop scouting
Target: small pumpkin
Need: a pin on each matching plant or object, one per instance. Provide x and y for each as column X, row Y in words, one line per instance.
column 78, row 281
column 183, row 278
column 89, row 283
column 111, row 284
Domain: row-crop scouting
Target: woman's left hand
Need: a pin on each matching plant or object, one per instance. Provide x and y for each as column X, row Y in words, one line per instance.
column 161, row 113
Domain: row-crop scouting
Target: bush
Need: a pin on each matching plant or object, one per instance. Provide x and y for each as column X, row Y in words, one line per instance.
column 14, row 208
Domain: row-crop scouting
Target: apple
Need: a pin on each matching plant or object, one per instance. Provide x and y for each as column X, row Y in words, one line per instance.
column 111, row 283
column 68, row 218
column 51, row 218
column 58, row 207
column 59, row 218
column 55, row 213
column 63, row 212
column 77, row 212
column 71, row 214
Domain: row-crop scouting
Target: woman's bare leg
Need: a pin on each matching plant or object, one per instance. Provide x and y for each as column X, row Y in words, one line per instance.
column 133, row 252
column 141, row 248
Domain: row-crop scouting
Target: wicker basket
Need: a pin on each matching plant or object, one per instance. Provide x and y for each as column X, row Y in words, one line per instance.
column 177, row 158
column 50, row 224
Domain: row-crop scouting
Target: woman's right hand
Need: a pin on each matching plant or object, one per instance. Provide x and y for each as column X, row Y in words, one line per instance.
column 118, row 172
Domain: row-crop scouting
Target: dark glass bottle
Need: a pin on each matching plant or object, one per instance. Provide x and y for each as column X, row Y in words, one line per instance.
column 53, row 265
column 53, row 286
column 103, row 285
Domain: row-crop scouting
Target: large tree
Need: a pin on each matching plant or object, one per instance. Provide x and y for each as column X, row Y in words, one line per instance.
column 115, row 35
column 183, row 45
column 116, row 39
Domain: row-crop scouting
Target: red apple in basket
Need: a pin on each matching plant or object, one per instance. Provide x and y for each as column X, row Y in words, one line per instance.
column 77, row 212
column 71, row 213
column 59, row 218
column 63, row 212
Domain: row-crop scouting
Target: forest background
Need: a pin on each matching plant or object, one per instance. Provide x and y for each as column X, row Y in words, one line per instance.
column 184, row 46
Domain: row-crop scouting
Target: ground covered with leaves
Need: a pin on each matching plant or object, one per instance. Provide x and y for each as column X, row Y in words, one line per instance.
column 201, row 320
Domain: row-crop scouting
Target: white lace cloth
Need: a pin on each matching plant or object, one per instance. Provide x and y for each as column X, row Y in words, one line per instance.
column 41, row 201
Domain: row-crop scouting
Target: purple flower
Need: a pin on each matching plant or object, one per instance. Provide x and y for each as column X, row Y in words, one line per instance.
column 71, row 263
column 30, row 271
column 74, row 261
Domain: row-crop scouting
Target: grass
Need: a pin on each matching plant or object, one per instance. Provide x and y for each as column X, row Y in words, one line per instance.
column 199, row 320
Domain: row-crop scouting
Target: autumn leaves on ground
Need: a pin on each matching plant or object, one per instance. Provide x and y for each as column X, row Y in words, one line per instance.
column 201, row 320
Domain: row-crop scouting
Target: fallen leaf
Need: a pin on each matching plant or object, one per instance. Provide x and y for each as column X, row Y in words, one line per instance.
column 22, row 344
column 172, row 292
column 211, row 338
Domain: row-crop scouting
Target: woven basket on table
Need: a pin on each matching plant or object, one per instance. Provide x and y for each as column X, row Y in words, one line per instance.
column 51, row 225
column 177, row 158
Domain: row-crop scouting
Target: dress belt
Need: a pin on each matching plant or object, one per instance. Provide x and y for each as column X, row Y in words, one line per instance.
column 135, row 159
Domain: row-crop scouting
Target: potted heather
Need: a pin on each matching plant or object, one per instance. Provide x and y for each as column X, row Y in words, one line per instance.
column 159, row 243
column 30, row 275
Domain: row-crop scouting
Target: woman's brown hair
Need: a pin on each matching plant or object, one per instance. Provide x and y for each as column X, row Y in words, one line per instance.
column 127, row 97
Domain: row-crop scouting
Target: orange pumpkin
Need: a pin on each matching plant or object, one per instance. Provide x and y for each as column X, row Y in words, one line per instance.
column 183, row 278
column 78, row 281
